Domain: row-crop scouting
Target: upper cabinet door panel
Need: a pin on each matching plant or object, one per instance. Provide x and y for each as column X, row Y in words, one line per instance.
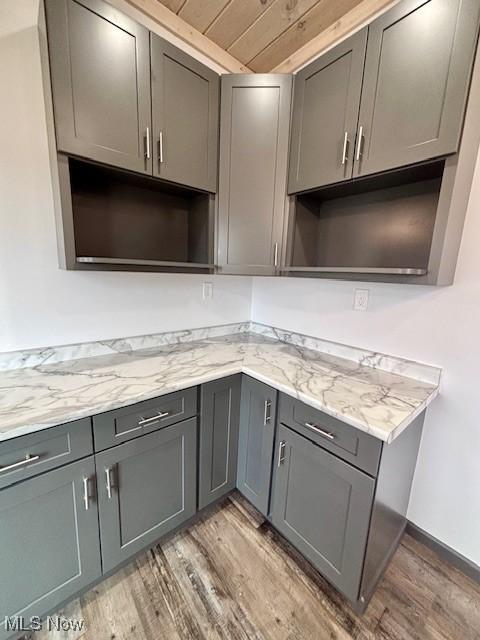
column 325, row 116
column 185, row 104
column 100, row 70
column 255, row 119
column 417, row 73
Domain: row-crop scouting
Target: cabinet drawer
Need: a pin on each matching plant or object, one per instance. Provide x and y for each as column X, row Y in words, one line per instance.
column 346, row 442
column 123, row 424
column 29, row 455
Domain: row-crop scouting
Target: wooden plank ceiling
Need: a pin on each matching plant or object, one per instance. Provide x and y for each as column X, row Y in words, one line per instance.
column 261, row 34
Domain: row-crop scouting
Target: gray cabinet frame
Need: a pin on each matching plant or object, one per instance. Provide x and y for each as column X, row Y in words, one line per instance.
column 46, row 568
column 63, row 86
column 218, row 447
column 258, row 411
column 294, row 521
column 232, row 202
column 312, row 164
column 463, row 20
column 116, row 498
column 197, row 166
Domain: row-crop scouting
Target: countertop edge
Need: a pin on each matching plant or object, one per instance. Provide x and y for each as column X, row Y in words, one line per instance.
column 378, row 433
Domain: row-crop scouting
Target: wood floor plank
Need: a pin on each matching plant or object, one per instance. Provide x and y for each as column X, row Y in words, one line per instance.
column 231, row 576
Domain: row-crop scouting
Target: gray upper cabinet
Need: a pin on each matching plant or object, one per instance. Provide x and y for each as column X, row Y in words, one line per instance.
column 325, row 116
column 49, row 546
column 255, row 447
column 417, row 74
column 255, row 117
column 100, row 73
column 146, row 488
column 323, row 506
column 185, row 105
column 219, row 420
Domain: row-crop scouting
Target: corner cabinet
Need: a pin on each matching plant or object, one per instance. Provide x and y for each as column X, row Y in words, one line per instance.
column 218, row 447
column 146, row 488
column 49, row 546
column 100, row 75
column 255, row 118
column 185, row 104
column 258, row 413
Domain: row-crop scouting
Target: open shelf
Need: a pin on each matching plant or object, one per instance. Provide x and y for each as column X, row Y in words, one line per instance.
column 379, row 226
column 128, row 221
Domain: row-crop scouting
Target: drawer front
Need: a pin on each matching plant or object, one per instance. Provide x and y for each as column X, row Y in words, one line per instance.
column 121, row 425
column 29, row 455
column 346, row 442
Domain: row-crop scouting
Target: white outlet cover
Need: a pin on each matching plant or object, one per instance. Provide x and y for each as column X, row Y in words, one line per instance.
column 207, row 290
column 360, row 299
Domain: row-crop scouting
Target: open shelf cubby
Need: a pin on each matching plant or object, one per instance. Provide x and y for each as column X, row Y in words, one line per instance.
column 128, row 221
column 378, row 225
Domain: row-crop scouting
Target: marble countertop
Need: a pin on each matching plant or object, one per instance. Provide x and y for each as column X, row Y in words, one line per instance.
column 373, row 400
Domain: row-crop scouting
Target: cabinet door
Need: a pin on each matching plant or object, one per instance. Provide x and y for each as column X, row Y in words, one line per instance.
column 100, row 70
column 255, row 117
column 322, row 505
column 255, row 448
column 49, row 541
column 219, row 420
column 185, row 103
column 146, row 488
column 417, row 73
column 325, row 116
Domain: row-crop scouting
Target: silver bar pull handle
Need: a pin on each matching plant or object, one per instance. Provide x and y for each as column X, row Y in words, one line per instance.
column 267, row 416
column 275, row 255
column 160, row 147
column 109, row 482
column 147, row 145
column 21, row 463
column 345, row 149
column 86, row 493
column 359, row 144
column 321, row 432
column 281, row 453
column 144, row 421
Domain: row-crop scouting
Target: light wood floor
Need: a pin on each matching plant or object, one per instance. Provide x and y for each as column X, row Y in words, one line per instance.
column 231, row 577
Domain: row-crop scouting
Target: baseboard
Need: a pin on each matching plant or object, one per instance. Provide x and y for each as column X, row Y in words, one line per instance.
column 458, row 561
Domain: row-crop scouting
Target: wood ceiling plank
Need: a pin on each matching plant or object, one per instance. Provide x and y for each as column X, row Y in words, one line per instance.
column 173, row 23
column 279, row 16
column 351, row 22
column 323, row 14
column 235, row 19
column 201, row 13
column 173, row 5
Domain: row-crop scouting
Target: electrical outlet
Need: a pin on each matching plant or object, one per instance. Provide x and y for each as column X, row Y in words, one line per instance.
column 360, row 299
column 207, row 290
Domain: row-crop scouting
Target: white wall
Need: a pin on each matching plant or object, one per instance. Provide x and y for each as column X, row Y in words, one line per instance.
column 439, row 326
column 41, row 304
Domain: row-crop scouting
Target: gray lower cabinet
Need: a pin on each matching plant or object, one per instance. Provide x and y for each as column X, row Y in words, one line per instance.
column 417, row 77
column 146, row 488
column 255, row 447
column 185, row 105
column 325, row 115
column 218, row 447
column 254, row 129
column 322, row 505
column 100, row 75
column 49, row 546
